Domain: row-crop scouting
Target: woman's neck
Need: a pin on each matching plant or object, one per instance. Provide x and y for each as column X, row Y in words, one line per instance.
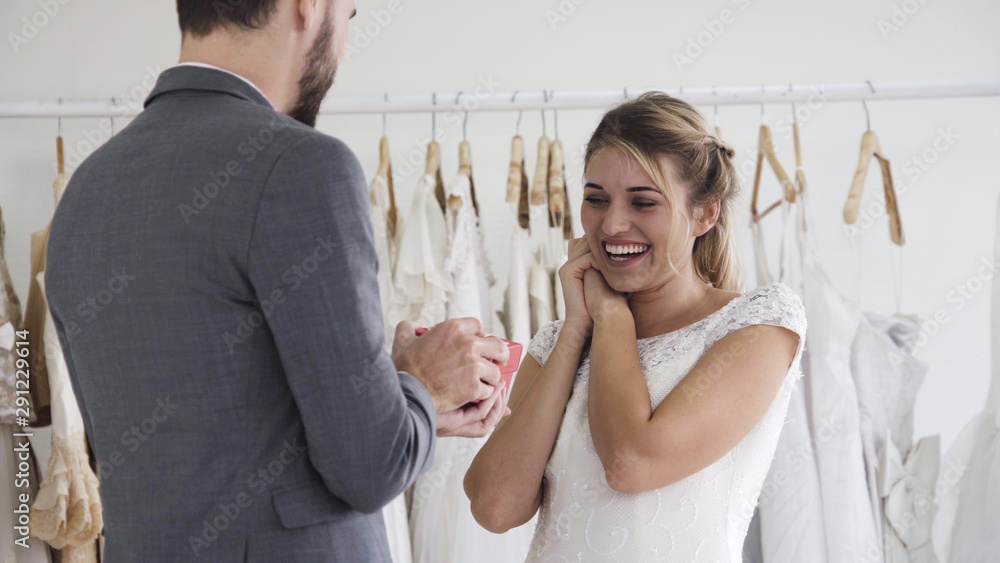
column 680, row 301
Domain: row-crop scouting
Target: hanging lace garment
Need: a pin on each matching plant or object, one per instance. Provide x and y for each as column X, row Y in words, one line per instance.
column 27, row 549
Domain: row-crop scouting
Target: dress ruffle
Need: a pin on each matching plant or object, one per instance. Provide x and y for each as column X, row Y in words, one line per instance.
column 67, row 510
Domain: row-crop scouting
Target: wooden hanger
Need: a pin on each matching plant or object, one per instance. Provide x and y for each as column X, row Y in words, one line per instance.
column 870, row 147
column 765, row 149
column 540, row 184
column 384, row 171
column 557, row 184
column 59, row 186
column 517, row 182
column 464, row 169
column 433, row 168
column 800, row 174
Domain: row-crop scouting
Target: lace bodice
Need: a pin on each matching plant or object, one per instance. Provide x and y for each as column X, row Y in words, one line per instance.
column 701, row 518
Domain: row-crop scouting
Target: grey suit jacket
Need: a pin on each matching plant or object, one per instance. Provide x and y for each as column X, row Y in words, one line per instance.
column 212, row 275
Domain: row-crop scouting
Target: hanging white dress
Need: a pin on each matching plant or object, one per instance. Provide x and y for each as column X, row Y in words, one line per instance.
column 441, row 521
column 30, row 549
column 968, row 520
column 540, row 291
column 703, row 517
column 517, row 306
column 67, row 510
column 901, row 479
column 467, row 264
column 851, row 530
column 788, row 522
column 395, row 513
column 422, row 285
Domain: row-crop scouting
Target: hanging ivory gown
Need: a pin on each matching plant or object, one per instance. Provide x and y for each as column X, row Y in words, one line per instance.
column 968, row 486
column 422, row 285
column 901, row 478
column 67, row 510
column 444, row 530
column 397, row 525
column 788, row 522
column 851, row 532
column 540, row 291
column 30, row 549
column 467, row 263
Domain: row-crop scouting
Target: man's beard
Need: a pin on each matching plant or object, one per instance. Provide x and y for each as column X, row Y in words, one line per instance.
column 317, row 78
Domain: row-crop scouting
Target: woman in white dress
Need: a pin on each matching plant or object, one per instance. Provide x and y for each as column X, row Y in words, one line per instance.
column 643, row 423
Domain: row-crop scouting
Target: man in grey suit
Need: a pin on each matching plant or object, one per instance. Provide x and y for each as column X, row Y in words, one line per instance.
column 212, row 276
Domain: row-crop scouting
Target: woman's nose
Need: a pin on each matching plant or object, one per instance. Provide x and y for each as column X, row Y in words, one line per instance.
column 616, row 221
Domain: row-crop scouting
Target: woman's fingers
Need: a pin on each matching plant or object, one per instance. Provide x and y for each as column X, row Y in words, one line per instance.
column 578, row 247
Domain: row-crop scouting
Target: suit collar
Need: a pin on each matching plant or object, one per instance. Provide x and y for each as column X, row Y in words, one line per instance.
column 193, row 78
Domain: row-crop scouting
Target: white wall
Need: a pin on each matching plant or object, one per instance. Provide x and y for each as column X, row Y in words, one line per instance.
column 103, row 48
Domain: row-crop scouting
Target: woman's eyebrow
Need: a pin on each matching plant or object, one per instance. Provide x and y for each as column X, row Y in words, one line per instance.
column 632, row 189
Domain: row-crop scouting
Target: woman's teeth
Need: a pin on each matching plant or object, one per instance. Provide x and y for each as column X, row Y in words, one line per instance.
column 621, row 253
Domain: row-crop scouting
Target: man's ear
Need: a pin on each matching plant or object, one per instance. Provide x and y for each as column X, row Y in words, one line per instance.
column 706, row 216
column 307, row 12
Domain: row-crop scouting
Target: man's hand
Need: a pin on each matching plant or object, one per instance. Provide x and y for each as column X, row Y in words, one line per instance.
column 455, row 360
column 475, row 420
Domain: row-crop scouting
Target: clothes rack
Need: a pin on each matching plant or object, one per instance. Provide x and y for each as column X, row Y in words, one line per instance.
column 481, row 99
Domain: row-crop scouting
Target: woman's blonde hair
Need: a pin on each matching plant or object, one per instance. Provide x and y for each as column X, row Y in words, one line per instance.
column 655, row 124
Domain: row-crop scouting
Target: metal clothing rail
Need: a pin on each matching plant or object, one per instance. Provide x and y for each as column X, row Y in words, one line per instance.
column 483, row 99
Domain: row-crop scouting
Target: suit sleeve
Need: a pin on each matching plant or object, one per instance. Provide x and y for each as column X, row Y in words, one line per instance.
column 369, row 429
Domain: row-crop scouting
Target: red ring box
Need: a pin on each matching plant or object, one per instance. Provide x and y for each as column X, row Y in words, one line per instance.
column 507, row 370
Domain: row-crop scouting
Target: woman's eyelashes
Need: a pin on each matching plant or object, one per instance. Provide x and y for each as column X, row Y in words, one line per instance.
column 639, row 203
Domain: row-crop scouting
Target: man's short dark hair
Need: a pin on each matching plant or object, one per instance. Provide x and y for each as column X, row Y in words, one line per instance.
column 201, row 17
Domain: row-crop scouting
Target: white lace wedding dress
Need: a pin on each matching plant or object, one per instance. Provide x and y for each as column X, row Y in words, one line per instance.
column 701, row 518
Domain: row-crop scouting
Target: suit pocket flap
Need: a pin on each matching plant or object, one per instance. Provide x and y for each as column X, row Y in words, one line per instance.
column 308, row 504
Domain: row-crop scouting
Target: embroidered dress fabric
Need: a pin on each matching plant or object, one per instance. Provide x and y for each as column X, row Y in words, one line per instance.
column 701, row 518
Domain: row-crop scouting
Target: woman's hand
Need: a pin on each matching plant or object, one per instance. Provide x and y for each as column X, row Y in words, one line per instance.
column 475, row 420
column 602, row 301
column 571, row 275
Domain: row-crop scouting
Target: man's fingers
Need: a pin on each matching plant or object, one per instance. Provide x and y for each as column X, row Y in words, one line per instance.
column 405, row 331
column 479, row 411
column 485, row 391
column 494, row 349
column 489, row 373
column 468, row 325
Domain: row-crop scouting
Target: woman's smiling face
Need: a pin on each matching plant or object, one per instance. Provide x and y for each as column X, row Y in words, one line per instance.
column 629, row 223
